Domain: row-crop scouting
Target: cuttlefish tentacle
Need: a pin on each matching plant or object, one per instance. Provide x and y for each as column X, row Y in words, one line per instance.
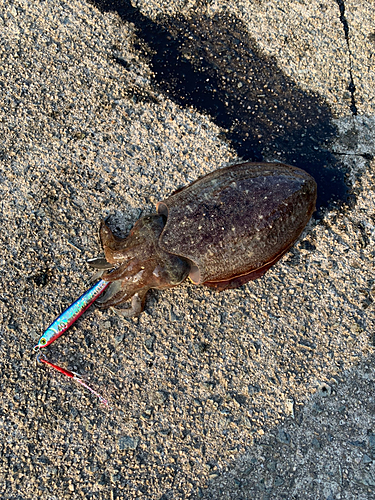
column 113, row 289
column 109, row 239
column 99, row 263
column 127, row 271
column 137, row 298
column 118, row 295
column 137, row 305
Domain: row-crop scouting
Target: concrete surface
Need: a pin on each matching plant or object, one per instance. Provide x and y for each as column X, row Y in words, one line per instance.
column 264, row 392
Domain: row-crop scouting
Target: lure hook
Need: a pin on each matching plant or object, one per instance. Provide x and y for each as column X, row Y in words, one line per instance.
column 75, row 376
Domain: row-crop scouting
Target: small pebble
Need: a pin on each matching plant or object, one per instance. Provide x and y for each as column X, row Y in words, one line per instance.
column 128, row 443
column 283, row 437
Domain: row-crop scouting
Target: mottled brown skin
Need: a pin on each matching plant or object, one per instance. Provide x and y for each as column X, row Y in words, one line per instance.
column 223, row 230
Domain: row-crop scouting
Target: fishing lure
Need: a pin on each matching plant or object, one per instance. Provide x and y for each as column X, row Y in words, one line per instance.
column 75, row 376
column 62, row 323
column 70, row 315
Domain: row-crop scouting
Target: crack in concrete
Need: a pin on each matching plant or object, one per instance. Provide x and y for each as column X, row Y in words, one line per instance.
column 365, row 156
column 351, row 86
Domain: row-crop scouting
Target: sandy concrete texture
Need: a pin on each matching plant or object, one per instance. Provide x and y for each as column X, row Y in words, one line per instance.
column 264, row 392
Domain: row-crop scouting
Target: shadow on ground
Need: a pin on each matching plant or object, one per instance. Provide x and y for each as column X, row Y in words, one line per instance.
column 214, row 65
